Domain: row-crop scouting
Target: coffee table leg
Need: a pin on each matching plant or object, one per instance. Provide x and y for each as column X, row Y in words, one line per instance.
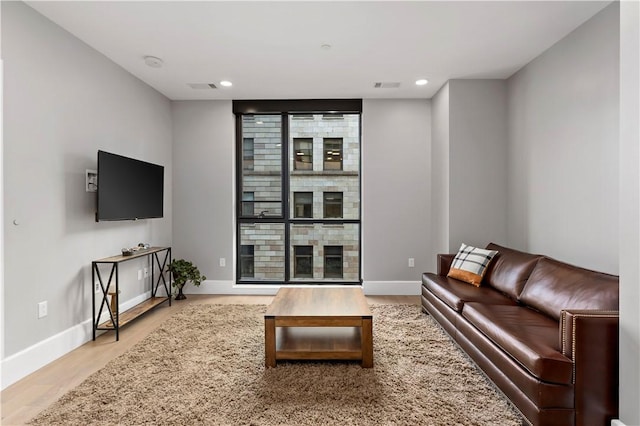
column 367, row 342
column 270, row 342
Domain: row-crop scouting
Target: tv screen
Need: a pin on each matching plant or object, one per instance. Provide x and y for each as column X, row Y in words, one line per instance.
column 128, row 189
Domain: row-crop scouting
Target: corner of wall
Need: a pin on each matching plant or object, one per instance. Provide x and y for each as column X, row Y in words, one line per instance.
column 2, row 319
column 629, row 213
column 440, row 170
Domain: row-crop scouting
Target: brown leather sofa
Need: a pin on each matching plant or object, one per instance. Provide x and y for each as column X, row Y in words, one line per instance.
column 545, row 333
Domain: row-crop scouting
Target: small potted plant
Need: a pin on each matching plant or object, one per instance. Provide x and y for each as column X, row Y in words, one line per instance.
column 183, row 271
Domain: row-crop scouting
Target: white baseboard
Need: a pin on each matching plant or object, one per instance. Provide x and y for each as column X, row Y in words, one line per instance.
column 386, row 288
column 25, row 362
column 392, row 288
column 229, row 287
column 617, row 422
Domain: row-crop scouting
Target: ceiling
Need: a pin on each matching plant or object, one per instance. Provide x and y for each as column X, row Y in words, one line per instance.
column 273, row 50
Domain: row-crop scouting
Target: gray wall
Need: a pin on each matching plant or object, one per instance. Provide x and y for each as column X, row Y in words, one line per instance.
column 469, row 164
column 563, row 156
column 62, row 102
column 203, row 183
column 477, row 162
column 396, row 173
column 396, row 170
column 440, row 170
column 629, row 213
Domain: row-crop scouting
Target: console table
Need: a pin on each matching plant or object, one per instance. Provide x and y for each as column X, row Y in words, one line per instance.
column 110, row 264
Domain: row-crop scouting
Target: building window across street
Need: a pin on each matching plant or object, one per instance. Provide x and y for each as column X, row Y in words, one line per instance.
column 303, row 148
column 303, row 204
column 332, row 204
column 333, row 261
column 303, row 262
column 247, row 204
column 247, row 153
column 246, row 261
column 332, row 154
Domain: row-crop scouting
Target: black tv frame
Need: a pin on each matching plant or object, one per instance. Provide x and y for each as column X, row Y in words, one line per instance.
column 128, row 188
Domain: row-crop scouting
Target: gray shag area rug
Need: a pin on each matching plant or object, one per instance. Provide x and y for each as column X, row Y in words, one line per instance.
column 205, row 366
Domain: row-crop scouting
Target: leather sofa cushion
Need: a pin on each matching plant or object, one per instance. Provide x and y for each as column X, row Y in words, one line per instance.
column 528, row 336
column 509, row 270
column 554, row 286
column 456, row 293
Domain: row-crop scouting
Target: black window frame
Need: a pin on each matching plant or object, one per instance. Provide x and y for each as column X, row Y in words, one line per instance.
column 285, row 109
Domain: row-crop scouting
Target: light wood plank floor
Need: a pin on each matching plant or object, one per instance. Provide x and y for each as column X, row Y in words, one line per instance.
column 26, row 398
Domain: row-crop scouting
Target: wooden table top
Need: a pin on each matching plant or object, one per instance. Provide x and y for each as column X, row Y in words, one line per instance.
column 136, row 254
column 319, row 302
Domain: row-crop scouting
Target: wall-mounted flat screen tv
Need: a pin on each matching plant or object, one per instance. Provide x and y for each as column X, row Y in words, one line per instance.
column 128, row 189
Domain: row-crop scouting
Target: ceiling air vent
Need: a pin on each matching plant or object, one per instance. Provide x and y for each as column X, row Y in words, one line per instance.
column 386, row 85
column 202, row 86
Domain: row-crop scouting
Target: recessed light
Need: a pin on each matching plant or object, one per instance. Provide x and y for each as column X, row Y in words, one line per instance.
column 153, row 62
column 226, row 83
column 421, row 82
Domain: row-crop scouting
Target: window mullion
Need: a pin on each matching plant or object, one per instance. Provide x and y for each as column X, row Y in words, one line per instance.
column 284, row 144
column 239, row 191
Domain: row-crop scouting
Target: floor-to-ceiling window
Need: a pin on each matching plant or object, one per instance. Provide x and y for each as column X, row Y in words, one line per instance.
column 298, row 191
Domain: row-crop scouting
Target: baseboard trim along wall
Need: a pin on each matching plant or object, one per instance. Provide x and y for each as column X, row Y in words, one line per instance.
column 617, row 422
column 392, row 288
column 25, row 362
column 386, row 288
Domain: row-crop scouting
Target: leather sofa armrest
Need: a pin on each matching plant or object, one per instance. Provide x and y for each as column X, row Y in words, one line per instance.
column 590, row 339
column 444, row 263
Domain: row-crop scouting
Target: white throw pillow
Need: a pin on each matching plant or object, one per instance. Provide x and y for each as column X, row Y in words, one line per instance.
column 470, row 264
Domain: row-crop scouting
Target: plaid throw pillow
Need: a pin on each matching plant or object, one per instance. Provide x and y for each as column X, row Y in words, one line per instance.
column 470, row 264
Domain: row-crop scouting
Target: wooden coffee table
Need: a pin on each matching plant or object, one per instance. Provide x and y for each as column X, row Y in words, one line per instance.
column 318, row 324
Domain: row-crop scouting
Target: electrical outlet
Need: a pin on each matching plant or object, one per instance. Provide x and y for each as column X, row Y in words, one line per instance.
column 146, row 272
column 223, row 262
column 139, row 274
column 412, row 262
column 96, row 287
column 91, row 180
column 42, row 309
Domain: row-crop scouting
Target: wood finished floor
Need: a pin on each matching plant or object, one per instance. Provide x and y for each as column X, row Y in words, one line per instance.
column 26, row 398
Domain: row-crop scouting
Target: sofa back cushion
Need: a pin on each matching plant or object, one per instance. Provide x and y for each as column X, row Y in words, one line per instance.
column 554, row 286
column 509, row 270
